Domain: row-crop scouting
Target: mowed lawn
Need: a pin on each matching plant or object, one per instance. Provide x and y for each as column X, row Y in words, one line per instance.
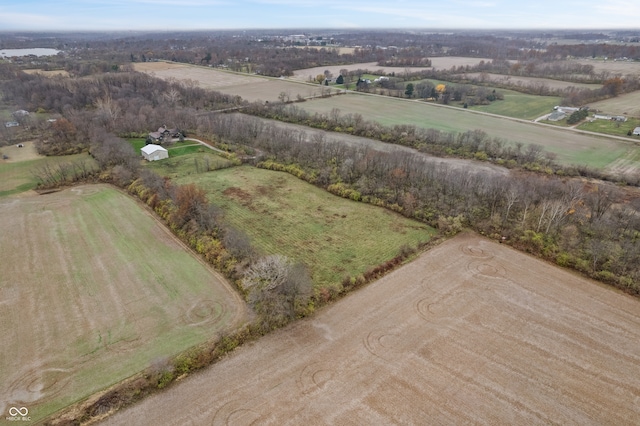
column 514, row 104
column 281, row 214
column 92, row 290
column 520, row 105
column 187, row 164
column 571, row 147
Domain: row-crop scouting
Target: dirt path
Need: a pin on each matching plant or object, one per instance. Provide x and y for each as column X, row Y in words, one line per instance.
column 203, row 143
column 470, row 332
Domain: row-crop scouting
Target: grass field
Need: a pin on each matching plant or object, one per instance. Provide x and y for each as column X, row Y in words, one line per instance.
column 92, row 290
column 187, row 164
column 470, row 333
column 610, row 127
column 333, row 236
column 175, row 149
column 514, row 104
column 16, row 175
column 570, row 146
column 185, row 158
column 519, row 105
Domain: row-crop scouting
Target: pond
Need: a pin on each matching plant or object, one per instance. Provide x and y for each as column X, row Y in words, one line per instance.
column 39, row 51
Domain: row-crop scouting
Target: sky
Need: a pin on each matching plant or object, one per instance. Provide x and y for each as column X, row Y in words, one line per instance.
column 41, row 15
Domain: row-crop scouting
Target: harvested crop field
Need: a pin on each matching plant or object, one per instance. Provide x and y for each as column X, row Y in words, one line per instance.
column 92, row 290
column 626, row 104
column 437, row 63
column 472, row 332
column 513, row 80
column 248, row 87
column 613, row 67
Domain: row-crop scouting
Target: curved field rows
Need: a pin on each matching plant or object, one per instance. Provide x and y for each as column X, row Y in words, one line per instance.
column 472, row 332
column 92, row 290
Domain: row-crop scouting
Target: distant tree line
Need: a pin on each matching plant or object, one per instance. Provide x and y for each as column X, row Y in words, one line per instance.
column 475, row 144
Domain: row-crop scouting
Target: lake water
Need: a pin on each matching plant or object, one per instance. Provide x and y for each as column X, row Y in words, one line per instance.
column 24, row 52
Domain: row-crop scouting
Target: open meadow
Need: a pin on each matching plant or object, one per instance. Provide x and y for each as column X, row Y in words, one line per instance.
column 18, row 172
column 93, row 289
column 515, row 104
column 519, row 105
column 333, row 236
column 472, row 332
column 570, row 146
column 187, row 164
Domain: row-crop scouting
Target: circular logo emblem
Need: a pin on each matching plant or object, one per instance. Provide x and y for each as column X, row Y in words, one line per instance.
column 22, row 411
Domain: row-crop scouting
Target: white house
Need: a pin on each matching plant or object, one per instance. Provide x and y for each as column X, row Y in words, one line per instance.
column 153, row 152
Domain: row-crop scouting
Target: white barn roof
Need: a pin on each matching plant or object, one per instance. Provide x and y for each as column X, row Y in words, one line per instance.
column 151, row 148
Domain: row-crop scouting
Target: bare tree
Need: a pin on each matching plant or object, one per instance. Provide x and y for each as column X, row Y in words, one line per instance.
column 277, row 287
column 108, row 110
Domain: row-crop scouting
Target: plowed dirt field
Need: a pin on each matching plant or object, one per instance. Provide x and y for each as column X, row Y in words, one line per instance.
column 472, row 332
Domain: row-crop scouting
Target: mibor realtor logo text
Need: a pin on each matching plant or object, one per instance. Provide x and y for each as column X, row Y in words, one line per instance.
column 18, row 414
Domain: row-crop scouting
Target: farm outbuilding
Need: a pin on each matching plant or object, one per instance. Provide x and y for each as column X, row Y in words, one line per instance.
column 557, row 116
column 153, row 152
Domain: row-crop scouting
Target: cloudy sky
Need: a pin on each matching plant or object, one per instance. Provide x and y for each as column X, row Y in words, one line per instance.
column 261, row 14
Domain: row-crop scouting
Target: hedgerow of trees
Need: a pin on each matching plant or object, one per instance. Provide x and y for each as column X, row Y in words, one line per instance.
column 591, row 227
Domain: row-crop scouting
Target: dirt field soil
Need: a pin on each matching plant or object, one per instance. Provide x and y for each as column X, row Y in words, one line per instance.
column 471, row 332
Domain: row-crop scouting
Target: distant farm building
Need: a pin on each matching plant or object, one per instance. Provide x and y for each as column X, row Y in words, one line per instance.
column 153, row 152
column 621, row 118
column 11, row 124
